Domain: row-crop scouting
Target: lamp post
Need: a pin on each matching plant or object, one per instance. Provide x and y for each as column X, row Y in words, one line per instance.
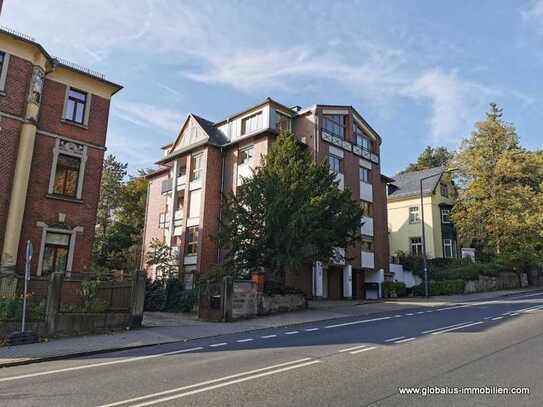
column 424, row 260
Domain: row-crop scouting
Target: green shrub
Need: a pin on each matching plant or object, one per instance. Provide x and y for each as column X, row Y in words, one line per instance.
column 11, row 309
column 443, row 287
column 155, row 295
column 394, row 289
column 187, row 300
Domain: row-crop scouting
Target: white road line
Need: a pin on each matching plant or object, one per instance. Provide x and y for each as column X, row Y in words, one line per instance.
column 268, row 336
column 405, row 340
column 496, row 318
column 429, row 311
column 191, row 386
column 420, row 312
column 397, row 316
column 514, row 314
column 458, row 306
column 458, row 327
column 353, row 348
column 363, row 350
column 292, row 332
column 215, row 345
column 409, row 314
column 311, row 329
column 445, row 327
column 357, row 322
column 71, row 369
column 394, row 339
column 245, row 340
column 487, row 317
column 218, row 386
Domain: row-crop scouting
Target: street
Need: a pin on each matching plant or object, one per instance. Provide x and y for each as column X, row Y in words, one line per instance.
column 355, row 361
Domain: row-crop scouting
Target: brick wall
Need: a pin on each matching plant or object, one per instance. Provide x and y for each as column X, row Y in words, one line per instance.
column 16, row 90
column 156, row 203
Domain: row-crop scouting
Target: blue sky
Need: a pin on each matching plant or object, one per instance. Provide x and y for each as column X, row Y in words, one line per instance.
column 421, row 72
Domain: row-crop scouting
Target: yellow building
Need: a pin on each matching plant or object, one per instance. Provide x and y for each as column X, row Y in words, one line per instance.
column 405, row 214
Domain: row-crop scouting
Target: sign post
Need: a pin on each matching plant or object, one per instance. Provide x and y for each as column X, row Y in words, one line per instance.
column 28, row 260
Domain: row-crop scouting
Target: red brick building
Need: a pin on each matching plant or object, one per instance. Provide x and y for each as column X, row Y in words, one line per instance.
column 208, row 159
column 53, row 124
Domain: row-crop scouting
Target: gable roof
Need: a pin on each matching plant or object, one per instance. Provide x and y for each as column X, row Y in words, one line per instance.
column 215, row 136
column 408, row 184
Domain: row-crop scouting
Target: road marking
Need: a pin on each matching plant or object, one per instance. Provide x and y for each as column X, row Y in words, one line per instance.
column 397, row 316
column 528, row 295
column 405, row 340
column 429, row 311
column 496, row 318
column 445, row 327
column 420, row 312
column 268, row 336
column 363, row 350
column 357, row 322
column 291, row 332
column 311, row 329
column 245, row 340
column 513, row 315
column 409, row 314
column 458, row 327
column 353, row 348
column 458, row 306
column 487, row 317
column 394, row 339
column 218, row 386
column 215, row 345
column 191, row 386
column 71, row 369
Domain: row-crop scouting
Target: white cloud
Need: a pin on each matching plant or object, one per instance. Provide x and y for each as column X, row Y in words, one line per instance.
column 147, row 115
column 534, row 15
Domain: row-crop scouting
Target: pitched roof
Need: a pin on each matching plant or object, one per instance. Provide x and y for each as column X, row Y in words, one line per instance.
column 408, row 184
column 215, row 136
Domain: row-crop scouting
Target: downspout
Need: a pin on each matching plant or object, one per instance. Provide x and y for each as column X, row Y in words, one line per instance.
column 222, row 185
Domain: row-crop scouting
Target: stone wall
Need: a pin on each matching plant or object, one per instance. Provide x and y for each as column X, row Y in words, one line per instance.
column 504, row 281
column 249, row 302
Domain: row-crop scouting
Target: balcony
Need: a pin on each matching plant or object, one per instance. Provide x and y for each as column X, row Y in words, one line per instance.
column 181, row 181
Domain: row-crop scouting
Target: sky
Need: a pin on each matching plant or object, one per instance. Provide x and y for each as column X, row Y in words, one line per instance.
column 420, row 72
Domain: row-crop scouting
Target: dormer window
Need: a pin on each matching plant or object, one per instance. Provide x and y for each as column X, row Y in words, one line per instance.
column 251, row 124
column 282, row 122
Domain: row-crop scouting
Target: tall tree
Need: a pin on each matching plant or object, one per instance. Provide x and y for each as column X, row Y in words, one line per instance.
column 502, row 200
column 430, row 158
column 289, row 213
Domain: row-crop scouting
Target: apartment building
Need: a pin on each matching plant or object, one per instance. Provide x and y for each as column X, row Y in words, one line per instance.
column 53, row 123
column 208, row 159
column 405, row 214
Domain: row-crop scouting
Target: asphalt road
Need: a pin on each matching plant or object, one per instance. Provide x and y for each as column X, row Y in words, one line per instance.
column 355, row 361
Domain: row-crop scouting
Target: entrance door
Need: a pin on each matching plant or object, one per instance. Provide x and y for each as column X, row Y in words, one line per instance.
column 335, row 283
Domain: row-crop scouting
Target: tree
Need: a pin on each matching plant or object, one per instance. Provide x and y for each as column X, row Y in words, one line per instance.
column 430, row 158
column 502, row 199
column 288, row 214
column 161, row 258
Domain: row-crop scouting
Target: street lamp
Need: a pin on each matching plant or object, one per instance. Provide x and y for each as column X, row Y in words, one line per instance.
column 424, row 260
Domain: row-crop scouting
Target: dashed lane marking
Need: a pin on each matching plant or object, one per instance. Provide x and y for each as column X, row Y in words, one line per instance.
column 394, row 339
column 363, row 350
column 405, row 340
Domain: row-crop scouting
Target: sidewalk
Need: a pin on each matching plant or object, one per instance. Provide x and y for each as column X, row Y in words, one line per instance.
column 161, row 328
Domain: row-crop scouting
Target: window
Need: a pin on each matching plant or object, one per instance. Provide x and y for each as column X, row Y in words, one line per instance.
column 367, row 207
column 361, row 139
column 246, row 156
column 181, row 171
column 67, row 175
column 192, row 241
column 334, row 124
column 163, row 221
column 282, row 122
column 195, row 167
column 76, row 106
column 445, row 216
column 251, row 123
column 448, row 248
column 444, row 190
column 335, row 163
column 365, row 175
column 367, row 244
column 414, row 215
column 195, row 203
column 55, row 258
column 4, row 62
column 415, row 244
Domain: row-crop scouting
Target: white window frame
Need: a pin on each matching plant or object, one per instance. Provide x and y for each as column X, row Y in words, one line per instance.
column 339, row 159
column 447, row 213
column 72, row 149
column 196, row 172
column 86, row 113
column 278, row 116
column 251, row 152
column 258, row 117
column 415, row 219
column 411, row 245
column 448, row 243
column 71, row 250
column 4, row 72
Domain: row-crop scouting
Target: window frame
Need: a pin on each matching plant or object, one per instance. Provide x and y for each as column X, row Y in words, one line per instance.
column 66, row 170
column 56, row 248
column 249, row 150
column 333, row 157
column 196, row 172
column 367, row 207
column 414, row 221
column 367, row 244
column 286, row 119
column 364, row 175
column 444, row 190
column 71, row 116
column 416, row 253
column 359, row 135
column 4, row 71
column 330, row 125
column 192, row 241
column 72, row 149
column 259, row 116
column 445, row 212
column 448, row 244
